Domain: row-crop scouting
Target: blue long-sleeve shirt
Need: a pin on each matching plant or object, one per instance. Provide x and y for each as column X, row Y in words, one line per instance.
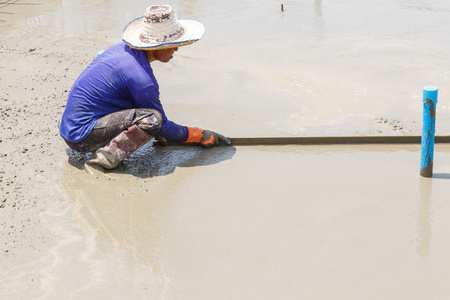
column 120, row 78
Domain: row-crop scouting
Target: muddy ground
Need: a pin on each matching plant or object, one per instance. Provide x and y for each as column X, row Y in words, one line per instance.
column 236, row 222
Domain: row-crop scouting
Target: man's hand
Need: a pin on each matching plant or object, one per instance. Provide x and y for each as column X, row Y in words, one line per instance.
column 205, row 138
column 162, row 141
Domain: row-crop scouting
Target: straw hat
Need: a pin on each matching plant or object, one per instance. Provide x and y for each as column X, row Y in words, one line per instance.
column 159, row 28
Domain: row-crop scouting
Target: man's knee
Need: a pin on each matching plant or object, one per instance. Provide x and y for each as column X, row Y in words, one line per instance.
column 150, row 121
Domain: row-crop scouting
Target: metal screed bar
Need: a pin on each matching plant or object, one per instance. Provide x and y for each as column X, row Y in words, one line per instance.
column 330, row 140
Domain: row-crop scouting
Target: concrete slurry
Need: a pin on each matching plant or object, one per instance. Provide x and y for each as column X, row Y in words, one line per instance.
column 238, row 222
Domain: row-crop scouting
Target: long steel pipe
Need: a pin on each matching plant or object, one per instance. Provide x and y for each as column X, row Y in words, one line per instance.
column 326, row 140
column 334, row 140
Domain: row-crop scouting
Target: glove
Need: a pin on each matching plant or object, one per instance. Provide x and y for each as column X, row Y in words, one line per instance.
column 205, row 138
column 162, row 141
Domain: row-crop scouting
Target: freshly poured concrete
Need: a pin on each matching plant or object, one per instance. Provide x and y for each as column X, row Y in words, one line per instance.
column 334, row 222
column 266, row 222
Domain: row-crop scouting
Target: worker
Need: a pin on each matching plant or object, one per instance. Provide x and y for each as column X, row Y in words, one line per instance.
column 114, row 108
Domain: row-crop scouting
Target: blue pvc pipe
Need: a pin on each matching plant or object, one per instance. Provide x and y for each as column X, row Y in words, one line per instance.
column 428, row 127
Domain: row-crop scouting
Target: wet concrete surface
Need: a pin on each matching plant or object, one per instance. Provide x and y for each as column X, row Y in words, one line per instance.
column 278, row 222
column 239, row 222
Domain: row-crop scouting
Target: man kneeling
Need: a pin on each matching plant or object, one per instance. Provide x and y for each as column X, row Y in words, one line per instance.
column 114, row 107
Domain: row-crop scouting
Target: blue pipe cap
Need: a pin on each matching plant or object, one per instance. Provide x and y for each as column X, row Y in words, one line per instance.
column 430, row 92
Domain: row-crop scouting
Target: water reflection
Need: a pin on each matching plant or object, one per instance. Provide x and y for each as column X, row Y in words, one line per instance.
column 425, row 217
column 318, row 12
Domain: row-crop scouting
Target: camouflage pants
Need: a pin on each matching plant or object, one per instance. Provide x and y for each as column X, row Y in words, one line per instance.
column 109, row 126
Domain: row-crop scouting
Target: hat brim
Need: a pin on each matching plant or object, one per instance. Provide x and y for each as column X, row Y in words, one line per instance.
column 193, row 31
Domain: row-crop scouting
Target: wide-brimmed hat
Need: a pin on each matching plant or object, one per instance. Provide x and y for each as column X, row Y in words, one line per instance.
column 159, row 28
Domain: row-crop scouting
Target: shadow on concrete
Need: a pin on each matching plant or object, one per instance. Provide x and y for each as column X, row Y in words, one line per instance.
column 441, row 175
column 150, row 161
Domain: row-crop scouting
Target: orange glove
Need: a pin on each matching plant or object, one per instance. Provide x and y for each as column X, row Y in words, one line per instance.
column 205, row 138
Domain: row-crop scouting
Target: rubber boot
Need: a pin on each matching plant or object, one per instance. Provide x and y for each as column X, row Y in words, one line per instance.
column 120, row 147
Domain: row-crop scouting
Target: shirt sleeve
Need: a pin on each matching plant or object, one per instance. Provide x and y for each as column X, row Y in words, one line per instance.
column 148, row 97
